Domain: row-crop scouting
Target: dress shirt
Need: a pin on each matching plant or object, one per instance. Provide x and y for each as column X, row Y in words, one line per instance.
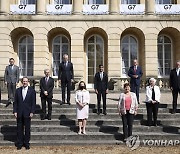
column 178, row 71
column 101, row 75
column 24, row 92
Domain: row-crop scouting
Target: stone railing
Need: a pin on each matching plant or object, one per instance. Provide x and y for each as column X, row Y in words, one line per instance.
column 117, row 83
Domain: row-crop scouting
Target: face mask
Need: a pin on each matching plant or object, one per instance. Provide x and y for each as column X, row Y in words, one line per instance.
column 81, row 87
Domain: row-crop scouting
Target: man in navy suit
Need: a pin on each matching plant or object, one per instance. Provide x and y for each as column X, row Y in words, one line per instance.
column 65, row 77
column 46, row 86
column 135, row 73
column 101, row 88
column 174, row 83
column 23, row 109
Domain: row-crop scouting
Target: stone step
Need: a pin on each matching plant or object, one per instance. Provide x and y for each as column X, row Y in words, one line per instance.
column 67, row 122
column 73, row 110
column 112, row 105
column 91, row 136
column 113, row 116
column 92, row 128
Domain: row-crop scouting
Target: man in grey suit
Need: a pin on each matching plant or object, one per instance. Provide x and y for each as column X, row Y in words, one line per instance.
column 11, row 78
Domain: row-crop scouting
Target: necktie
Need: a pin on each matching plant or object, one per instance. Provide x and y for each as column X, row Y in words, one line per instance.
column 46, row 80
column 153, row 94
column 135, row 69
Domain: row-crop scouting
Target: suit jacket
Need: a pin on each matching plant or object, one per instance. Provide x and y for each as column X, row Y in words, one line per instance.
column 11, row 75
column 149, row 94
column 46, row 87
column 174, row 80
column 101, row 84
column 138, row 72
column 26, row 106
column 65, row 72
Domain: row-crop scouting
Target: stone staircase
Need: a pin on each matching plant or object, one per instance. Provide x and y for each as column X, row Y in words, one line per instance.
column 62, row 129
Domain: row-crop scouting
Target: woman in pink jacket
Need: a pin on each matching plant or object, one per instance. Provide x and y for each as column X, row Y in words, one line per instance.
column 127, row 107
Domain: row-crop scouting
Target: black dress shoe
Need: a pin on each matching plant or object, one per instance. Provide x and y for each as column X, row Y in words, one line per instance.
column 49, row 117
column 43, row 118
column 27, row 147
column 68, row 103
column 19, row 148
column 105, row 113
column 173, row 112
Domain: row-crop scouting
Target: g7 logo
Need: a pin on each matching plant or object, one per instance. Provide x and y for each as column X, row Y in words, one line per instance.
column 58, row 7
column 131, row 7
column 22, row 7
column 94, row 7
column 167, row 7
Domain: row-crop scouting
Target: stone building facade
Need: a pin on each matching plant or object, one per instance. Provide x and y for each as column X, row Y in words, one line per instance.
column 110, row 32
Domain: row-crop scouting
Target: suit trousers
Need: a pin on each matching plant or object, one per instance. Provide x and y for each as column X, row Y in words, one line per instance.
column 127, row 120
column 175, row 96
column 135, row 89
column 103, row 94
column 152, row 109
column 23, row 131
column 11, row 91
column 43, row 103
column 65, row 84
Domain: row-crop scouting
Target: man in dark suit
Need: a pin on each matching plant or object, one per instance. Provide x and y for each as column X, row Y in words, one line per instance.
column 65, row 77
column 11, row 78
column 135, row 73
column 101, row 88
column 23, row 109
column 46, row 87
column 174, row 83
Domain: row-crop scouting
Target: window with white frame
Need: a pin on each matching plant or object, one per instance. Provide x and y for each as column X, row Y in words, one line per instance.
column 164, row 55
column 96, row 1
column 24, row 2
column 130, row 1
column 129, row 49
column 62, row 1
column 60, row 46
column 95, row 55
column 26, row 55
column 166, row 2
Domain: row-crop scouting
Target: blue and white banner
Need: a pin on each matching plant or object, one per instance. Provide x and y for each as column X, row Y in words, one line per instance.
column 59, row 9
column 23, row 9
column 167, row 9
column 96, row 9
column 132, row 8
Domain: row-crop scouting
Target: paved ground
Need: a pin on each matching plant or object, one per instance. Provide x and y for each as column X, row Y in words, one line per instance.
column 166, row 98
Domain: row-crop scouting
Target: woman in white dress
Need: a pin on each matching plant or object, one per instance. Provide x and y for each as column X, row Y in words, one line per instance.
column 82, row 99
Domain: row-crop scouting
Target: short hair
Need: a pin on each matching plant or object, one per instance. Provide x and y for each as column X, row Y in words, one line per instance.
column 152, row 79
column 46, row 70
column 11, row 59
column 80, row 84
column 65, row 54
column 101, row 65
column 126, row 84
column 24, row 77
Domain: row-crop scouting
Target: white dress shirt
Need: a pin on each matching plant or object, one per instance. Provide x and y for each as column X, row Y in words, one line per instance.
column 24, row 92
column 178, row 71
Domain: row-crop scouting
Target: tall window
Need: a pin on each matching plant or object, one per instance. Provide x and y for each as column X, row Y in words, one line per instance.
column 95, row 53
column 129, row 48
column 62, row 1
column 24, row 2
column 26, row 56
column 130, row 2
column 164, row 55
column 165, row 1
column 61, row 46
column 96, row 1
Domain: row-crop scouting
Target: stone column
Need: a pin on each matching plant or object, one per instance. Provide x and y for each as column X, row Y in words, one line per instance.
column 77, row 6
column 150, row 6
column 4, row 6
column 114, row 6
column 41, row 6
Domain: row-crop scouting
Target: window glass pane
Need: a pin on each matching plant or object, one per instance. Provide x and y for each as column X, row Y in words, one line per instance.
column 60, row 47
column 26, row 55
column 166, row 40
column 130, row 2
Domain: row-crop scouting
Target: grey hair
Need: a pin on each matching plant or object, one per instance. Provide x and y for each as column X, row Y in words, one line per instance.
column 152, row 79
column 46, row 70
